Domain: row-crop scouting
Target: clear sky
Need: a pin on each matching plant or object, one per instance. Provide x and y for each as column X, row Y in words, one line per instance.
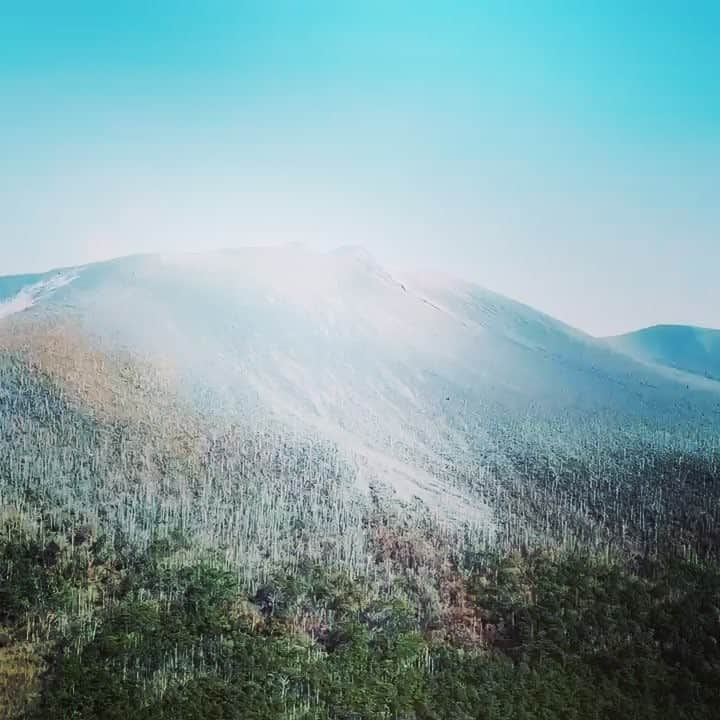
column 564, row 153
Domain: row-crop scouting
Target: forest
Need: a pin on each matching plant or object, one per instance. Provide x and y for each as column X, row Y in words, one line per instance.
column 152, row 567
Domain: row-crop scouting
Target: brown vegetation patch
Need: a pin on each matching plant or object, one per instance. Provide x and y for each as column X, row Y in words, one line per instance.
column 448, row 612
column 21, row 666
column 111, row 387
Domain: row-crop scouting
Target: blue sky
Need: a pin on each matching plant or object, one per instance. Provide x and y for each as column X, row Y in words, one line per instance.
column 564, row 153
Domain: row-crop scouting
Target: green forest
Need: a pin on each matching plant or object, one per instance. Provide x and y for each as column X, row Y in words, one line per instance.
column 95, row 629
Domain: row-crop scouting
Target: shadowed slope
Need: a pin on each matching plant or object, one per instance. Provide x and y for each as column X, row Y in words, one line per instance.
column 682, row 347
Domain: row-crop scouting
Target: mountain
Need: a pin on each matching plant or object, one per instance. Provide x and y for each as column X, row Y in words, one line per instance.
column 272, row 482
column 397, row 374
column 681, row 347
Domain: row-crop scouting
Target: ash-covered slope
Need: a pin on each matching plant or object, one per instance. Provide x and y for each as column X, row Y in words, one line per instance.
column 20, row 292
column 427, row 385
column 681, row 347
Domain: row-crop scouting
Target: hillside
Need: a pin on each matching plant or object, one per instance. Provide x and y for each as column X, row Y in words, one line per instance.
column 429, row 389
column 681, row 347
column 275, row 483
column 396, row 375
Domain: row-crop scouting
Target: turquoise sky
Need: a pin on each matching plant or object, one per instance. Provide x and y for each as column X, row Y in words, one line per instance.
column 564, row 153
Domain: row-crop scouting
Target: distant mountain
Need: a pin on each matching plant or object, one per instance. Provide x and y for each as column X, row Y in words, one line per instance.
column 682, row 347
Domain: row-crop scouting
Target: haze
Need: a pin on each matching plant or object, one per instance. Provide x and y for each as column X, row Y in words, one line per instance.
column 567, row 157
